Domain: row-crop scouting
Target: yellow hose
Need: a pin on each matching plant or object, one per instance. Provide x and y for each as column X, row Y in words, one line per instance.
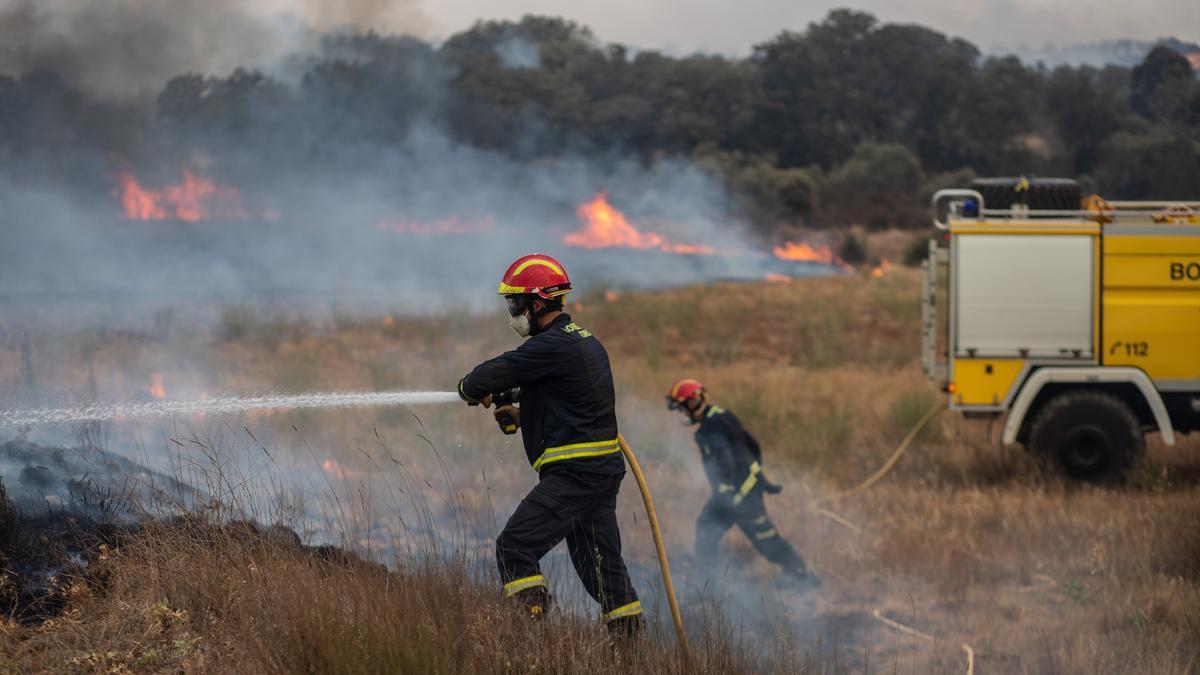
column 658, row 540
column 891, row 462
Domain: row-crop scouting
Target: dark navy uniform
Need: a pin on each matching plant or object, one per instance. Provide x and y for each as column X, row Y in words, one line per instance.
column 732, row 460
column 569, row 430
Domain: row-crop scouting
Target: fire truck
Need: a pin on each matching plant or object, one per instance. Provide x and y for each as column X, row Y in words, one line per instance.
column 1077, row 320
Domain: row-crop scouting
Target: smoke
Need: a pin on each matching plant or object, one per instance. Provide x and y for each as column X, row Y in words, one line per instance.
column 121, row 48
column 85, row 481
column 363, row 173
column 517, row 52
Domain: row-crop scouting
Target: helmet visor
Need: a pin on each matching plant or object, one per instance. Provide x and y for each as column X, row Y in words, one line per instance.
column 674, row 403
column 515, row 304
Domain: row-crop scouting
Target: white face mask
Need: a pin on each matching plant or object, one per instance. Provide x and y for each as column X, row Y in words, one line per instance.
column 519, row 324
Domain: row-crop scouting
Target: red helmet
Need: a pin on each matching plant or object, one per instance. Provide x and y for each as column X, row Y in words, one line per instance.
column 684, row 391
column 536, row 274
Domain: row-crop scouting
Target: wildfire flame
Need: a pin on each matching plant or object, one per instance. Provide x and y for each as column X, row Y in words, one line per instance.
column 606, row 227
column 801, row 251
column 334, row 468
column 881, row 269
column 156, row 389
column 195, row 199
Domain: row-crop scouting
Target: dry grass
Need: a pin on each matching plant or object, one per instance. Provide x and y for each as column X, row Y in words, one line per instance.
column 189, row 598
column 963, row 540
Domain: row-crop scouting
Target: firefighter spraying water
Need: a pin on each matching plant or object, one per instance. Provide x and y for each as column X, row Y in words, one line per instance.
column 568, row 424
column 733, row 463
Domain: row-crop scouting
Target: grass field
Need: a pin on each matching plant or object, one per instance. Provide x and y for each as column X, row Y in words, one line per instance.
column 964, row 542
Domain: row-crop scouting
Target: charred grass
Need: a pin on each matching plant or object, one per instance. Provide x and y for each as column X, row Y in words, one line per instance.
column 965, row 541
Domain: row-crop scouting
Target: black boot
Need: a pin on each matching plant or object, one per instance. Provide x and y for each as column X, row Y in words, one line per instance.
column 536, row 601
column 800, row 578
column 626, row 630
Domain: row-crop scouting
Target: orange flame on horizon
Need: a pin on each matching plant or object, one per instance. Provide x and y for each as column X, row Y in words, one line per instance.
column 156, row 389
column 606, row 227
column 195, row 199
column 799, row 251
column 881, row 269
column 776, row 278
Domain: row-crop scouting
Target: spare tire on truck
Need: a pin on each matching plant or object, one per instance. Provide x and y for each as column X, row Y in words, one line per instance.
column 1038, row 194
column 1092, row 435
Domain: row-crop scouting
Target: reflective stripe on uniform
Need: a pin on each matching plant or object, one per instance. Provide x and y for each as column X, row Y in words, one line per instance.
column 576, row 451
column 724, row 487
column 518, row 585
column 748, row 484
column 761, row 520
column 766, row 534
column 714, row 410
column 631, row 609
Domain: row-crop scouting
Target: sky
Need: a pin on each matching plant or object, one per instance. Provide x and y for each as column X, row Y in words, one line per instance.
column 684, row 26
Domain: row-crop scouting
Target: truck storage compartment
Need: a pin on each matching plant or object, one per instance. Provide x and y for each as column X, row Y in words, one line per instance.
column 1024, row 295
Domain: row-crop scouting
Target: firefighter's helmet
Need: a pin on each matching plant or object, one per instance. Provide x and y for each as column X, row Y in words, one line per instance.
column 684, row 391
column 535, row 274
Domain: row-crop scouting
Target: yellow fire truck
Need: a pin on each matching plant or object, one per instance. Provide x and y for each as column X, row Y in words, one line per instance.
column 1077, row 319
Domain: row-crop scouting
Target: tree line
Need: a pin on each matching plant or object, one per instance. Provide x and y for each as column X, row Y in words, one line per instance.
column 848, row 121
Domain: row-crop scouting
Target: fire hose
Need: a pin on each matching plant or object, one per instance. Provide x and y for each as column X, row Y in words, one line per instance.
column 658, row 540
column 865, row 485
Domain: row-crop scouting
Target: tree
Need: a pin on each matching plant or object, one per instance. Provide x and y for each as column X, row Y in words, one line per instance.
column 1161, row 84
column 876, row 187
column 1158, row 165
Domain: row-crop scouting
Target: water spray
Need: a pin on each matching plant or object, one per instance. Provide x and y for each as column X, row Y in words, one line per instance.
column 219, row 405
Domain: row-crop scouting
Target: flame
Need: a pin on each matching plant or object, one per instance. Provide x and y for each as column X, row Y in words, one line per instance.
column 881, row 269
column 157, row 390
column 195, row 199
column 774, row 278
column 791, row 250
column 332, row 467
column 606, row 227
column 451, row 225
column 801, row 252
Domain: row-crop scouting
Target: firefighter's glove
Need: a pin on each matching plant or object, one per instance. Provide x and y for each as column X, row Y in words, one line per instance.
column 771, row 488
column 509, row 418
column 486, row 401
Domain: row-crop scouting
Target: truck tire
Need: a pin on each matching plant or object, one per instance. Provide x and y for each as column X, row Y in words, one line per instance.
column 1091, row 435
column 1054, row 194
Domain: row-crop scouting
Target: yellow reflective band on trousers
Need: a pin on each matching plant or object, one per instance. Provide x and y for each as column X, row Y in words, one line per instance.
column 577, row 451
column 761, row 520
column 724, row 487
column 518, row 585
column 748, row 484
column 766, row 534
column 631, row 609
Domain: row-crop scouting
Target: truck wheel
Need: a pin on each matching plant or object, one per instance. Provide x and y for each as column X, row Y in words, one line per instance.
column 1092, row 435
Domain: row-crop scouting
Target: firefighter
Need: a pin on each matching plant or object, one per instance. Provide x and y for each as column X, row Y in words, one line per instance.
column 568, row 426
column 732, row 460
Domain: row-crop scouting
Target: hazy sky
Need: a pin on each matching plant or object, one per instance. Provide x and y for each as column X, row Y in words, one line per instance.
column 733, row 27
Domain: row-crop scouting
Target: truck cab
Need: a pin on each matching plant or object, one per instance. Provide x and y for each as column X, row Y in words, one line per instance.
column 1077, row 320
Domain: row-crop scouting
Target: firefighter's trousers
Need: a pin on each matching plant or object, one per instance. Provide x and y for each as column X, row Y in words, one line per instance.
column 581, row 508
column 751, row 516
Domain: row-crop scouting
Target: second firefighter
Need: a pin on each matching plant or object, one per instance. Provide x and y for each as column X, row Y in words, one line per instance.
column 732, row 461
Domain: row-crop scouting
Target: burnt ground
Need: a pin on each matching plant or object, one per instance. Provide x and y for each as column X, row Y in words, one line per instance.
column 64, row 509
